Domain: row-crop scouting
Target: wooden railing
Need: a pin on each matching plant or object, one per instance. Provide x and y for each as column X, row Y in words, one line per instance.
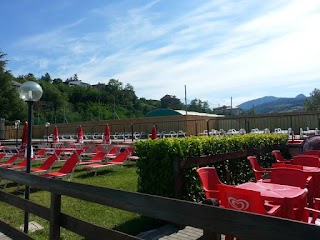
column 213, row 220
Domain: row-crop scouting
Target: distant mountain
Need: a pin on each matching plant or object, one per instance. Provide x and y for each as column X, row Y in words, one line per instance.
column 271, row 104
column 253, row 103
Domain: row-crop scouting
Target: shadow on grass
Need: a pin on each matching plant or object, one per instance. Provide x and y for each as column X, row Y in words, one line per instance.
column 139, row 225
column 91, row 174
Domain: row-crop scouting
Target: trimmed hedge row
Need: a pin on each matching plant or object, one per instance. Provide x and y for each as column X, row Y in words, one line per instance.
column 156, row 164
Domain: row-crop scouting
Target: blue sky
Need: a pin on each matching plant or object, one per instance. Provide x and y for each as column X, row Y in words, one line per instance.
column 219, row 49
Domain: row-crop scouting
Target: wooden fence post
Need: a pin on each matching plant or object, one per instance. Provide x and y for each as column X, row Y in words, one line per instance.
column 55, row 210
column 209, row 235
column 178, row 179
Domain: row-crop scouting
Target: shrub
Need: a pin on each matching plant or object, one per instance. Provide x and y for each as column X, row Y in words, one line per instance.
column 156, row 164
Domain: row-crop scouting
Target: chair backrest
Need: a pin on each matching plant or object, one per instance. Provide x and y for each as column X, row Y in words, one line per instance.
column 241, row 199
column 114, row 150
column 47, row 164
column 313, row 152
column 23, row 163
column 210, row 181
column 2, row 155
column 79, row 151
column 306, row 160
column 282, row 165
column 278, row 156
column 85, row 148
column 12, row 159
column 130, row 149
column 121, row 157
column 70, row 164
column 40, row 153
column 257, row 169
column 288, row 176
column 58, row 151
column 97, row 149
column 98, row 156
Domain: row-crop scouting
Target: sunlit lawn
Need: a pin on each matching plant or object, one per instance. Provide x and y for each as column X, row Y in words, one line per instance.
column 124, row 178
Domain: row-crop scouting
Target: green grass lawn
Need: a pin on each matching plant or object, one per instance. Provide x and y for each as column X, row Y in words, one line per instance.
column 117, row 177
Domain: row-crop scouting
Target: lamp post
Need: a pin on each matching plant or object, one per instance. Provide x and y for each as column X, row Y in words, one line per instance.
column 16, row 126
column 47, row 127
column 30, row 92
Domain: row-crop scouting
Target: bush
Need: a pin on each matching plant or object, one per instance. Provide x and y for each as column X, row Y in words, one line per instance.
column 156, row 164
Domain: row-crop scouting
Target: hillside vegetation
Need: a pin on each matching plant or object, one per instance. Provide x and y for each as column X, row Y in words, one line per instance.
column 272, row 104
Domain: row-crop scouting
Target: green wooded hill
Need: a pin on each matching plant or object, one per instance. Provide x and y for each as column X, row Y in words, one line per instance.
column 272, row 104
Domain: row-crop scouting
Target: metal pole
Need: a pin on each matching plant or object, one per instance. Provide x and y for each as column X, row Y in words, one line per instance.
column 47, row 135
column 132, row 137
column 17, row 128
column 28, row 167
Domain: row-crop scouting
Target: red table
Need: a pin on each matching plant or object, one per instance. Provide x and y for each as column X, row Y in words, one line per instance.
column 286, row 196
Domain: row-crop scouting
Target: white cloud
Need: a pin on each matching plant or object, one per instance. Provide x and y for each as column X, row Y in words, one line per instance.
column 219, row 49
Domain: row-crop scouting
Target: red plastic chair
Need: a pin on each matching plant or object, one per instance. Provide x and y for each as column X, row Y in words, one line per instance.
column 312, row 215
column 97, row 158
column 313, row 153
column 22, row 165
column 259, row 172
column 246, row 200
column 310, row 183
column 297, row 178
column 210, row 181
column 93, row 150
column 40, row 154
column 46, row 165
column 306, row 160
column 10, row 161
column 2, row 155
column 279, row 158
column 290, row 176
column 118, row 160
column 113, row 152
column 282, row 165
column 67, row 168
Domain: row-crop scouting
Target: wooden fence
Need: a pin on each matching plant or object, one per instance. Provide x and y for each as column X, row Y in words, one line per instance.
column 294, row 120
column 192, row 125
column 213, row 220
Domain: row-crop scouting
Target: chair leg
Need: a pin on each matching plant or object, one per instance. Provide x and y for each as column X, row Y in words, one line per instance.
column 5, row 185
column 18, row 187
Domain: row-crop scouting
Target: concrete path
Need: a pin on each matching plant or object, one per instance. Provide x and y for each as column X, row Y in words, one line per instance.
column 171, row 232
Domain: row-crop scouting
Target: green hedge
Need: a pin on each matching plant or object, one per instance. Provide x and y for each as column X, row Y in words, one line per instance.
column 156, row 164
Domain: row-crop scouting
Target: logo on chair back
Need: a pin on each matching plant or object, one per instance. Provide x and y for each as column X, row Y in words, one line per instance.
column 238, row 204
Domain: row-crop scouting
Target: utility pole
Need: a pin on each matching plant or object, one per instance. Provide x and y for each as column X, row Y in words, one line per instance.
column 185, row 99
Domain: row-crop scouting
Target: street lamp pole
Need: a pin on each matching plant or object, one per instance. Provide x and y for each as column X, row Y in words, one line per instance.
column 29, row 92
column 47, row 127
column 16, row 126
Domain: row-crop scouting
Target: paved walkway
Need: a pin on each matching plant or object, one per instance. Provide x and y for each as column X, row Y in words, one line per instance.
column 171, row 232
column 4, row 237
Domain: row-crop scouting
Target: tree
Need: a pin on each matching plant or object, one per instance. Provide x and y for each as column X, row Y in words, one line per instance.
column 12, row 106
column 46, row 78
column 313, row 102
column 169, row 101
column 57, row 81
column 197, row 105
